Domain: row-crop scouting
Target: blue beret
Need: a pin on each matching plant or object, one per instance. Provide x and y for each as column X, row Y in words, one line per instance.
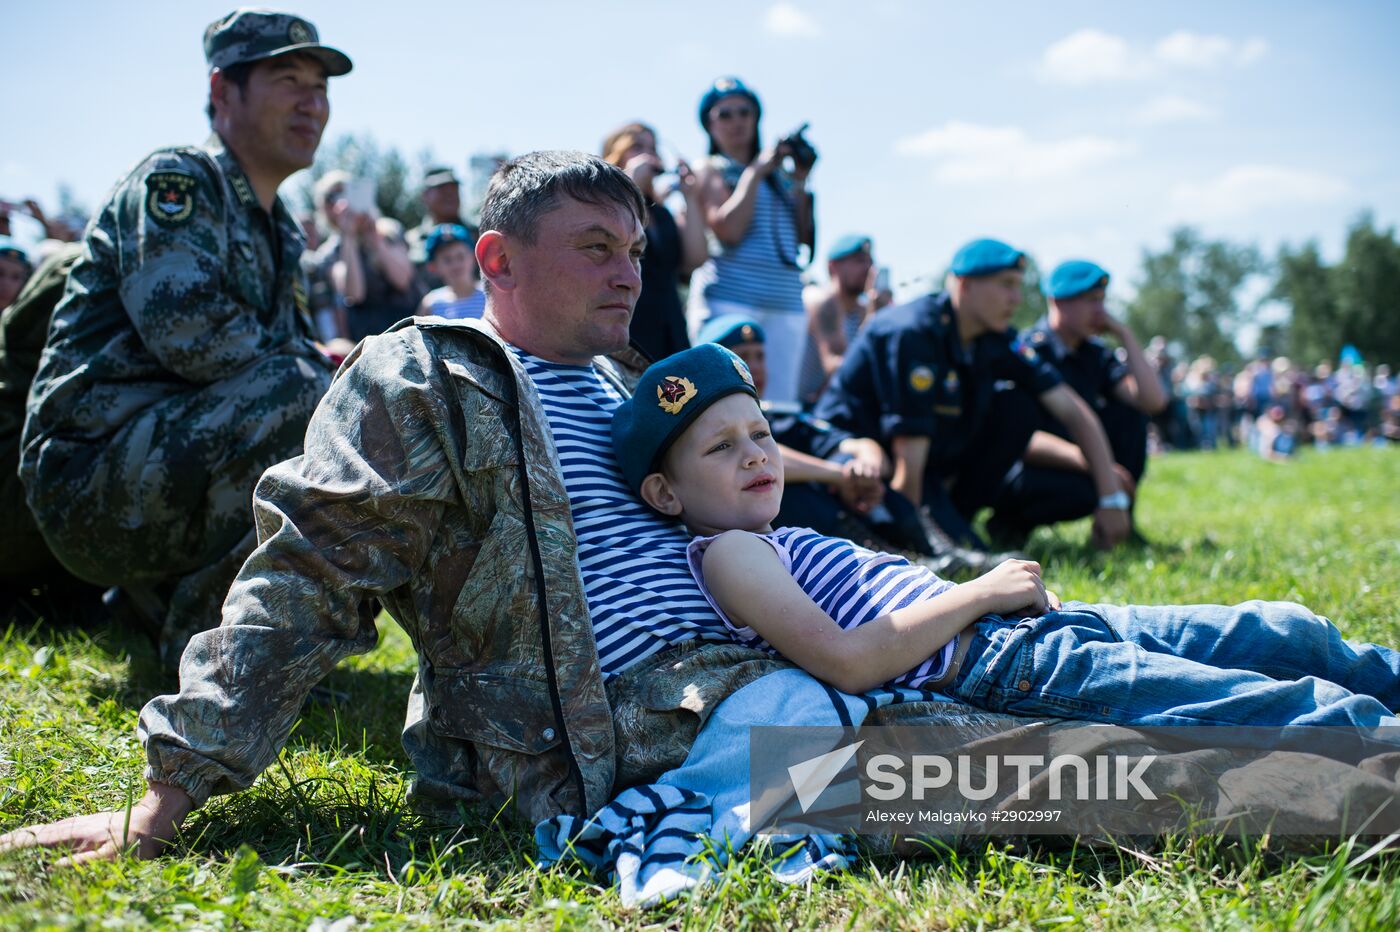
column 1075, row 277
column 446, row 233
column 670, row 395
column 723, row 87
column 731, row 330
column 848, row 245
column 986, row 257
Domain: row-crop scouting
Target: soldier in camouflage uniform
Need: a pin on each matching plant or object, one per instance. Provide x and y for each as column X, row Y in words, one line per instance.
column 181, row 363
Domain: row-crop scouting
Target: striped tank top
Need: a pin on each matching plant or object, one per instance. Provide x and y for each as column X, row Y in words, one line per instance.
column 640, row 593
column 761, row 271
column 850, row 583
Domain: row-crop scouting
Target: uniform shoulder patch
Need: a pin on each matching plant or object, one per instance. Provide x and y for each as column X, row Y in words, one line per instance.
column 170, row 197
column 921, row 378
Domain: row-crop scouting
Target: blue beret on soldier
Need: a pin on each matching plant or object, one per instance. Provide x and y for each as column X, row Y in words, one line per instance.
column 731, row 330
column 670, row 395
column 251, row 35
column 848, row 245
column 986, row 257
column 1074, row 278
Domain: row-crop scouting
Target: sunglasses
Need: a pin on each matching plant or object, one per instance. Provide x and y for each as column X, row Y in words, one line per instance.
column 727, row 113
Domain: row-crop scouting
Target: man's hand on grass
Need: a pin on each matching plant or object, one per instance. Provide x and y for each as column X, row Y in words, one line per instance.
column 143, row 830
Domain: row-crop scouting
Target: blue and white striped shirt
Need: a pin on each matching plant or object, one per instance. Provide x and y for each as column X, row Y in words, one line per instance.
column 850, row 583
column 641, row 595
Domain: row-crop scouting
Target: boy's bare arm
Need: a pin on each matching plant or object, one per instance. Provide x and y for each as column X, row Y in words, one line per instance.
column 750, row 583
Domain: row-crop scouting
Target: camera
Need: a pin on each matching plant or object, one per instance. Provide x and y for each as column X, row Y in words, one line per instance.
column 804, row 154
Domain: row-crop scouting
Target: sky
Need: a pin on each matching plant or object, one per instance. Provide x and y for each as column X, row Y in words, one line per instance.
column 1070, row 129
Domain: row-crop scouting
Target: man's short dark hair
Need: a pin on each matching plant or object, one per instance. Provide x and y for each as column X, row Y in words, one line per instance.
column 237, row 73
column 526, row 188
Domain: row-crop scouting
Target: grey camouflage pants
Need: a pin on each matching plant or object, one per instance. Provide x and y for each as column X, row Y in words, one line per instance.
column 165, row 505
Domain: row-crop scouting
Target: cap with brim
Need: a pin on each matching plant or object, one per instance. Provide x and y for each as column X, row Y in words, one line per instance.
column 1073, row 278
column 986, row 257
column 248, row 35
column 437, row 176
column 669, row 396
column 848, row 245
column 731, row 330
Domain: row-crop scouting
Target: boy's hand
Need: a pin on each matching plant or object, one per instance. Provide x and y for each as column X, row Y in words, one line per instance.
column 1014, row 586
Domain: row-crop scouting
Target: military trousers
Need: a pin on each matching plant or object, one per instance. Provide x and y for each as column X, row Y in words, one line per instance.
column 1035, row 495
column 164, row 506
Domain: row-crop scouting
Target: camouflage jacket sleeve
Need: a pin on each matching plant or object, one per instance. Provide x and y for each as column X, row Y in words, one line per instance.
column 350, row 519
column 173, row 247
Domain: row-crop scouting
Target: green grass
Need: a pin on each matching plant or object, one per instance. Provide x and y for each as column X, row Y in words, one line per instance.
column 325, row 832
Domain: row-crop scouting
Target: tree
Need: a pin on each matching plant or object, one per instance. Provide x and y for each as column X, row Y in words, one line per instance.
column 1366, row 287
column 361, row 156
column 1189, row 294
column 1305, row 284
column 1033, row 305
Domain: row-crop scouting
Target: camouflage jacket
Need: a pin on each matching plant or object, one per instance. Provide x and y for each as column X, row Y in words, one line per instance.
column 184, row 278
column 430, row 483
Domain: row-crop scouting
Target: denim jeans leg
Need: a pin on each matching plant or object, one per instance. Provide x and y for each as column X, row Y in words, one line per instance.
column 1281, row 640
column 1073, row 664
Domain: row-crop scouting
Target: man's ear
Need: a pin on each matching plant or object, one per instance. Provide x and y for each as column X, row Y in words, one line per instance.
column 219, row 89
column 493, row 259
column 657, row 492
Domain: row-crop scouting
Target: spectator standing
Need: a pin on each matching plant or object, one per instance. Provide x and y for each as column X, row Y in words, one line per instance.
column 442, row 203
column 676, row 243
column 450, row 257
column 759, row 214
column 366, row 262
column 835, row 313
column 180, row 363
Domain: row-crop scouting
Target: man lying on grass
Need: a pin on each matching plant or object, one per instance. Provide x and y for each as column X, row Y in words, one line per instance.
column 695, row 445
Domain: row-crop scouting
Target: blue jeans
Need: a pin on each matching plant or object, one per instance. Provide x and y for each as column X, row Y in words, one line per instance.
column 1258, row 663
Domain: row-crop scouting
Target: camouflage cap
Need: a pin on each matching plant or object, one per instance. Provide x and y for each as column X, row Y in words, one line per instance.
column 251, row 35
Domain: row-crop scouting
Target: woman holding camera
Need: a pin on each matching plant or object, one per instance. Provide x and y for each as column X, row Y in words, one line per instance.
column 759, row 213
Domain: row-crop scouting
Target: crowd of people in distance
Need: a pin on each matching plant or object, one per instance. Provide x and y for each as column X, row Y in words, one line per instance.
column 1273, row 405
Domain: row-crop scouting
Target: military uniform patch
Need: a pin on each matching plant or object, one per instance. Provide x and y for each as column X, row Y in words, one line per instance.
column 170, row 197
column 297, row 33
column 921, row 378
column 743, row 370
column 673, row 393
column 950, row 381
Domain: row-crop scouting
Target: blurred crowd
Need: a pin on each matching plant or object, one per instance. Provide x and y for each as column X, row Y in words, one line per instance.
column 1274, row 406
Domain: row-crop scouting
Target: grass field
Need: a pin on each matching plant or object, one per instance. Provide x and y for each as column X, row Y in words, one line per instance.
column 323, row 839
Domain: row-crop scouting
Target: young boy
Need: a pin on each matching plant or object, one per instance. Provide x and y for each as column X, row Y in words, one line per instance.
column 450, row 257
column 694, row 445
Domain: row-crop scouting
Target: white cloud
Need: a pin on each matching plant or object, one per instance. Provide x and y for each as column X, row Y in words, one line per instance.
column 966, row 152
column 788, row 21
column 1092, row 55
column 1191, row 50
column 1246, row 189
column 1170, row 108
